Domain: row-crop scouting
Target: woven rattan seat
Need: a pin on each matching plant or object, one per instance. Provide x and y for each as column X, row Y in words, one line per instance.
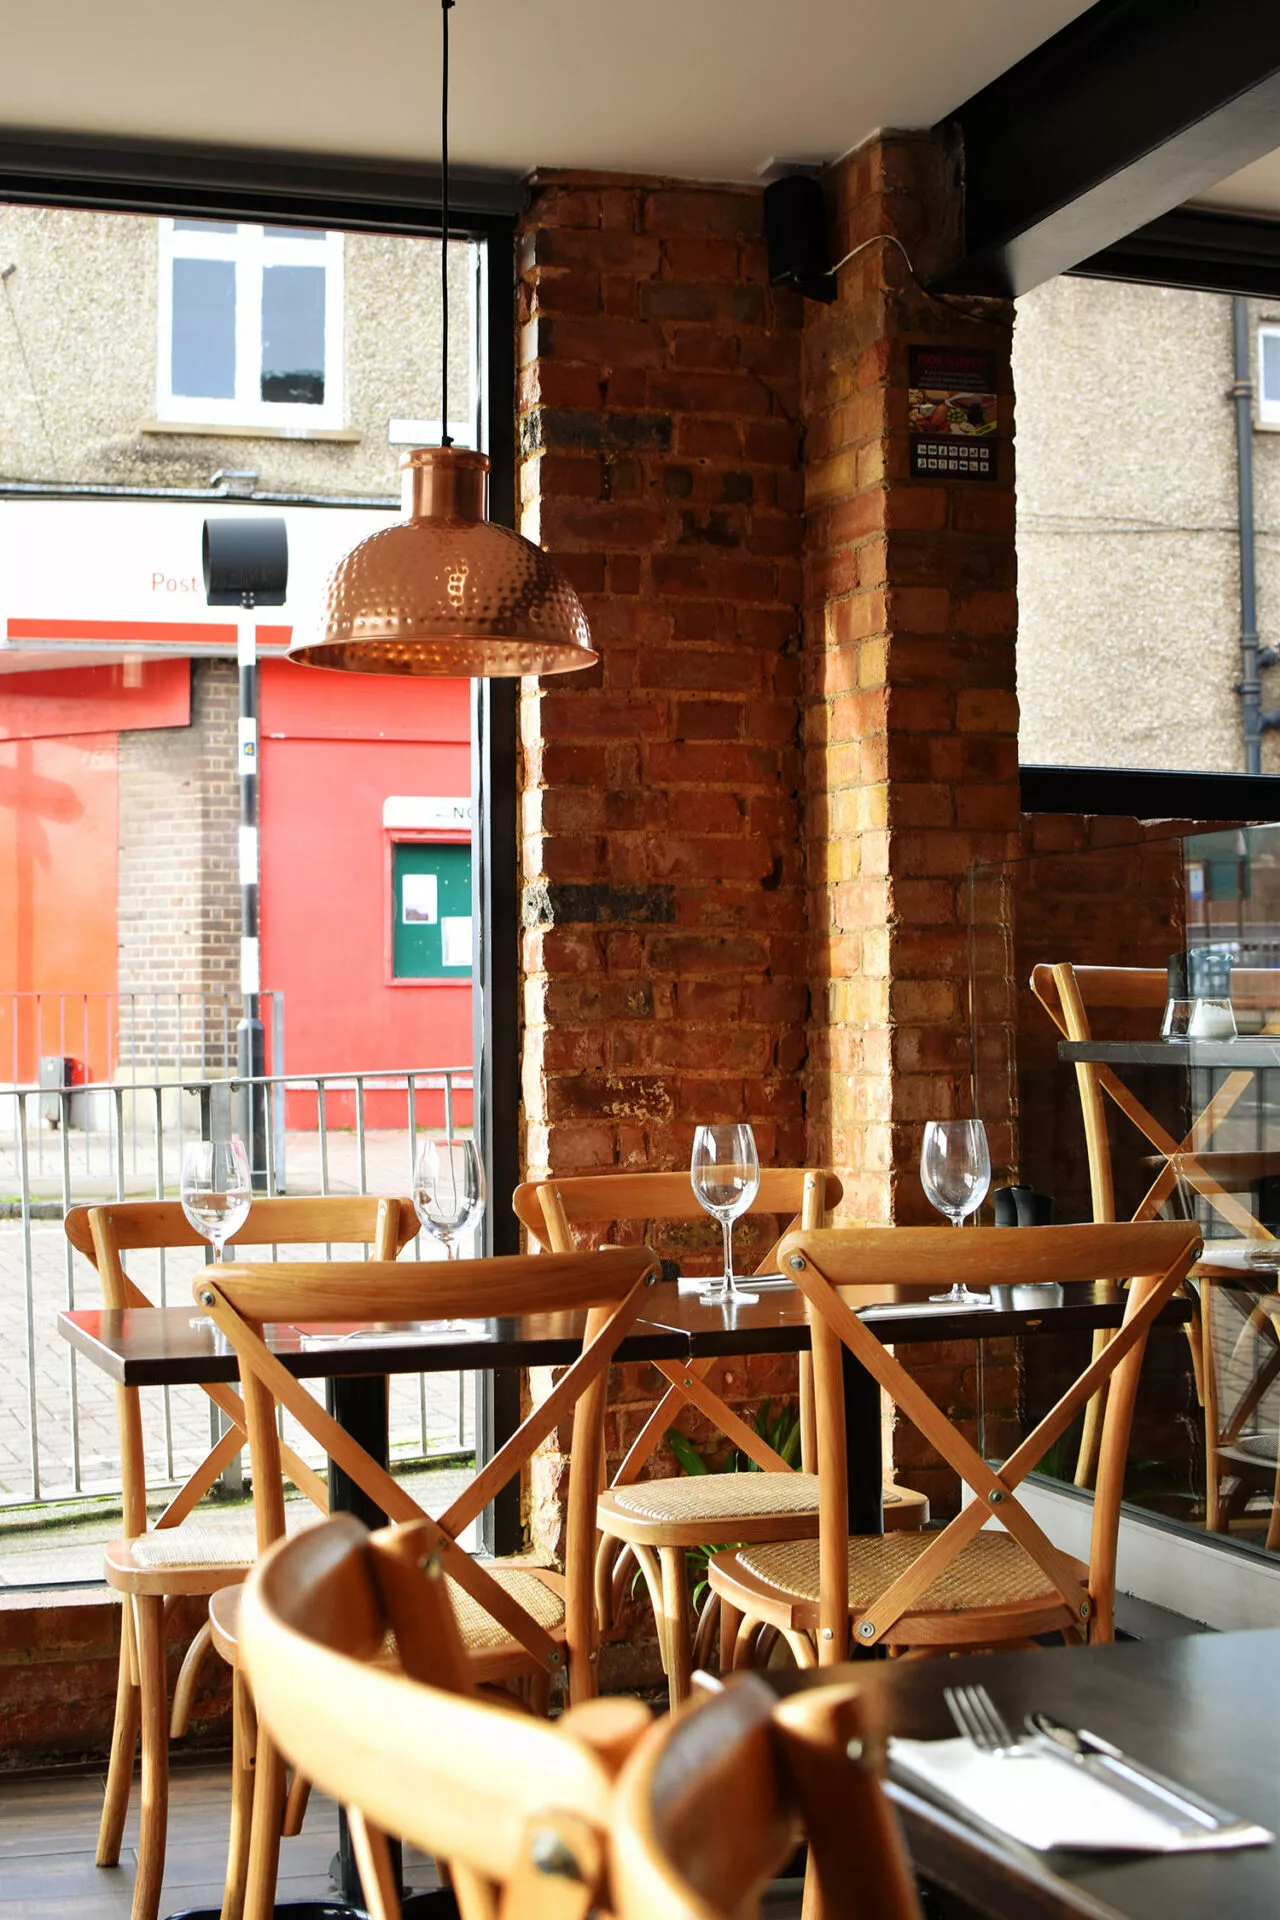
column 991, row 1571
column 204, row 1540
column 708, row 1496
column 1255, row 1446
column 480, row 1632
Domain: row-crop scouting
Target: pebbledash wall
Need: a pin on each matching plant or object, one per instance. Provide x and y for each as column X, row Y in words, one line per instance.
column 747, row 831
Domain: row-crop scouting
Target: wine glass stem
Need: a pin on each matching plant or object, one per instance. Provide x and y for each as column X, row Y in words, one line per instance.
column 727, row 1225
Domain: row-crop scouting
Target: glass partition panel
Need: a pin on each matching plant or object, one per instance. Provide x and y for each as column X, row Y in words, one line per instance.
column 1125, row 996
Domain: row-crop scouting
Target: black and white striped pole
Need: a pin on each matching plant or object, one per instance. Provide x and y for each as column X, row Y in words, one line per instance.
column 246, row 565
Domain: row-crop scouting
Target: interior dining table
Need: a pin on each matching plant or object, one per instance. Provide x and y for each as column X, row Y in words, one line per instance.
column 1200, row 1708
column 177, row 1346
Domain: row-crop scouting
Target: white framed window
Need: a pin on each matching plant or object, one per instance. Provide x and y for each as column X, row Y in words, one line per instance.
column 1269, row 376
column 250, row 325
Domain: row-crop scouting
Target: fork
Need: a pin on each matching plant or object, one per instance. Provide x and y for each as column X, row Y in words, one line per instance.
column 981, row 1721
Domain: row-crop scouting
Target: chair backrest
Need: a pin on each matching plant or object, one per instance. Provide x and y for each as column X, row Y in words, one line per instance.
column 105, row 1232
column 551, row 1209
column 1067, row 993
column 710, row 1805
column 628, row 1204
column 608, row 1288
column 520, row 1808
column 1155, row 1255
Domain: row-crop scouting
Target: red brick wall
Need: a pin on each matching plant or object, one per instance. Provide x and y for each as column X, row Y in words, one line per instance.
column 664, row 945
column 911, row 724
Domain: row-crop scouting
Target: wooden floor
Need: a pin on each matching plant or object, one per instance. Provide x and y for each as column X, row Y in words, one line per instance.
column 49, row 1828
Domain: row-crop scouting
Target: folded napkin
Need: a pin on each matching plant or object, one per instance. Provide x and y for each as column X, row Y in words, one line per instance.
column 749, row 1282
column 437, row 1331
column 1046, row 1801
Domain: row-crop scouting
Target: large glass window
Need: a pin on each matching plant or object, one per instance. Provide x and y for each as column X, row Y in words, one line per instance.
column 250, row 325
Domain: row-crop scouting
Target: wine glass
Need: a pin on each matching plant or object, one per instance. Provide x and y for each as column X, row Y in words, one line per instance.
column 955, row 1171
column 216, row 1189
column 725, row 1175
column 448, row 1190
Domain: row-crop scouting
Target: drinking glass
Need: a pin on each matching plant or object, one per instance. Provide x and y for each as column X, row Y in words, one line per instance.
column 955, row 1171
column 448, row 1190
column 725, row 1175
column 216, row 1189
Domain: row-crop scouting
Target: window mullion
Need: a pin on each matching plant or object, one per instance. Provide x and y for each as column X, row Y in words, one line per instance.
column 249, row 324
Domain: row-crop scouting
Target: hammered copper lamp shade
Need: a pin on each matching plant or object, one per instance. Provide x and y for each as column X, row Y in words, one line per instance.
column 447, row 592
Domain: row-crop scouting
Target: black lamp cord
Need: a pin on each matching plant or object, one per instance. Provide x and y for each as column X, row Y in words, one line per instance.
column 445, row 437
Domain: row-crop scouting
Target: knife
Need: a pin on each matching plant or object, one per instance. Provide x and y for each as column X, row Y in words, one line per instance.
column 1091, row 1750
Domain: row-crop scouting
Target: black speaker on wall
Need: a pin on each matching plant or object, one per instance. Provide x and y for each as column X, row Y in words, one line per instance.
column 795, row 236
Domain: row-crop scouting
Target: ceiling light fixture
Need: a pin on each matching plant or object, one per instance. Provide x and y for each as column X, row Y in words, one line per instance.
column 445, row 591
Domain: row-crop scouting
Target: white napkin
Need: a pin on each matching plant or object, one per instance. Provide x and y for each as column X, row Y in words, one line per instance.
column 439, row 1332
column 1044, row 1801
column 750, row 1282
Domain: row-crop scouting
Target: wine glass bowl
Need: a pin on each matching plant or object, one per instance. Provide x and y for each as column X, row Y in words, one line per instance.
column 724, row 1171
column 955, row 1172
column 216, row 1189
column 448, row 1190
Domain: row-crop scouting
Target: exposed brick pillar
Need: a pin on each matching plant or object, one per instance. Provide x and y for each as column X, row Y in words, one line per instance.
column 664, row 946
column 911, row 726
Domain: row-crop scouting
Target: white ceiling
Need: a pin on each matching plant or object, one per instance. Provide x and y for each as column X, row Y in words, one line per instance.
column 708, row 89
column 1254, row 189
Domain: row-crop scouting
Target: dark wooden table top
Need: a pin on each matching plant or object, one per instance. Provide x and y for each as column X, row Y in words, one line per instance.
column 1204, row 1709
column 172, row 1346
column 1247, row 1050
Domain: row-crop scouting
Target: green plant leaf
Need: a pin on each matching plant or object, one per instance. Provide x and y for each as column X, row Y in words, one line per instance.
column 688, row 1459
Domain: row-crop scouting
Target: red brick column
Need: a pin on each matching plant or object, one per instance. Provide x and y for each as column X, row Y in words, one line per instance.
column 911, row 749
column 664, row 947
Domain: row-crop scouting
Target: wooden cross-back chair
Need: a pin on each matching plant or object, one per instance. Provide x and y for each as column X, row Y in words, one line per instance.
column 1067, row 994
column 517, row 1622
column 657, row 1520
column 183, row 1553
column 1241, row 1322
column 714, row 1800
column 518, row 1808
column 962, row 1587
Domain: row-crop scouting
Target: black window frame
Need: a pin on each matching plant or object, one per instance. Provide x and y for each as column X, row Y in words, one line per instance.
column 355, row 195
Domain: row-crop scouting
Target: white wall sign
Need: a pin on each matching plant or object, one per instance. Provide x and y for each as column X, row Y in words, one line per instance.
column 423, row 813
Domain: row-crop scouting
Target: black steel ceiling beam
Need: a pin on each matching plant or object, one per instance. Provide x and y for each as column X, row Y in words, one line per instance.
column 244, row 183
column 1205, row 248
column 1132, row 109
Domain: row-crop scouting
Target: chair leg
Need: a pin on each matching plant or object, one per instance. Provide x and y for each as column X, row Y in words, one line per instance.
column 373, row 1858
column 243, row 1743
column 730, row 1627
column 264, row 1839
column 154, row 1692
column 295, row 1807
column 705, row 1631
column 185, row 1687
column 606, row 1554
column 124, row 1740
column 675, row 1618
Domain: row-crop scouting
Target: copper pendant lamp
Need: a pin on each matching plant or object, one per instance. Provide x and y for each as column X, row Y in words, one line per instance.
column 445, row 591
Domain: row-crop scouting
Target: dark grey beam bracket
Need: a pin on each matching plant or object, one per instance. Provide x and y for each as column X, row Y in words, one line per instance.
column 1132, row 109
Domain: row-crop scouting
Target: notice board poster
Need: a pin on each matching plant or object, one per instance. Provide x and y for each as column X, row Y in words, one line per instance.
column 951, row 410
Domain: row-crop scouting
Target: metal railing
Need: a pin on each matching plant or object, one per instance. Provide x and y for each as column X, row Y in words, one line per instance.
column 139, row 1035
column 326, row 1133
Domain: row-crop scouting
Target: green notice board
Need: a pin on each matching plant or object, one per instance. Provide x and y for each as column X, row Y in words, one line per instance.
column 431, row 902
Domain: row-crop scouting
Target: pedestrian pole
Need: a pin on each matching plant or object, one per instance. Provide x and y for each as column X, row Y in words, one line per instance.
column 251, row 1058
column 246, row 565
